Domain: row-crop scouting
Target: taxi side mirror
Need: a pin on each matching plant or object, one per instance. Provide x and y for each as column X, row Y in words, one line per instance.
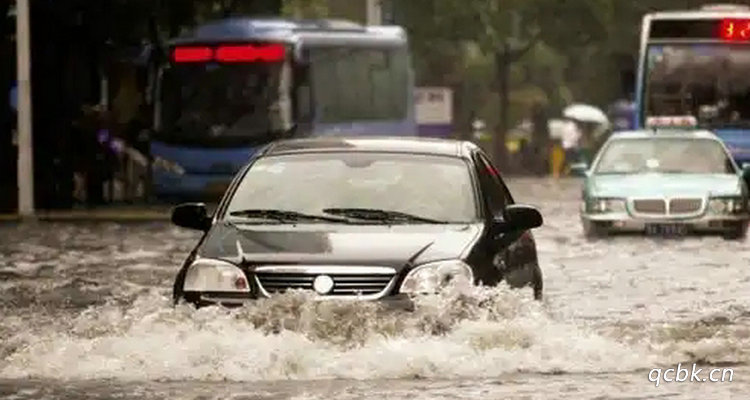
column 579, row 169
column 746, row 173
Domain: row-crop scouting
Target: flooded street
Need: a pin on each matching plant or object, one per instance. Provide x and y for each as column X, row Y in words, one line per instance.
column 86, row 314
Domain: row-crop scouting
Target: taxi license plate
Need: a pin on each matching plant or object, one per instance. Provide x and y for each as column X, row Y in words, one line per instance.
column 667, row 229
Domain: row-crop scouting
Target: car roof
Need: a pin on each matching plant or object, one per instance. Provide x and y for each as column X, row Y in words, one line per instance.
column 665, row 133
column 380, row 144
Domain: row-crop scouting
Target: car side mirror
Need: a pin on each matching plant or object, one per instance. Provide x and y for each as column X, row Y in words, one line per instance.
column 518, row 217
column 745, row 168
column 191, row 216
column 579, row 169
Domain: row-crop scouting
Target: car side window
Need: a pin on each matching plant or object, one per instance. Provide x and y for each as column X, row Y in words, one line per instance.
column 492, row 186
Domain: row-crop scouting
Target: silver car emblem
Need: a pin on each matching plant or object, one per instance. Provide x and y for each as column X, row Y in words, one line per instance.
column 217, row 130
column 323, row 284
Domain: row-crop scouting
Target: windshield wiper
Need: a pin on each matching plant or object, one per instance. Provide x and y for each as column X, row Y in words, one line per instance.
column 374, row 214
column 284, row 215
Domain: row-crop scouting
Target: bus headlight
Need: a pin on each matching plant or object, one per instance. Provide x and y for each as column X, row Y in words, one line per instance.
column 208, row 275
column 432, row 277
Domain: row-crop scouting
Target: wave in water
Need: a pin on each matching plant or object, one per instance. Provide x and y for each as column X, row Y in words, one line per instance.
column 481, row 333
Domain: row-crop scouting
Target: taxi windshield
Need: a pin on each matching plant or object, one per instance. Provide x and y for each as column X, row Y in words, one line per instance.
column 664, row 155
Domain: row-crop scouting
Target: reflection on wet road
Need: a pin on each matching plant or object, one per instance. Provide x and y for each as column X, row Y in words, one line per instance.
column 86, row 314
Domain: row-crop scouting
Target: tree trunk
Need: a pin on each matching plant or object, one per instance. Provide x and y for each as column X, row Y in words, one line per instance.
column 502, row 67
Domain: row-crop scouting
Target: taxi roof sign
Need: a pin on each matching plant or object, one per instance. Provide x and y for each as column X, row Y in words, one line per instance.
column 672, row 121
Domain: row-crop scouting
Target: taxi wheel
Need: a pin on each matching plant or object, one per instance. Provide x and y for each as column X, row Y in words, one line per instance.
column 537, row 283
column 593, row 231
column 738, row 232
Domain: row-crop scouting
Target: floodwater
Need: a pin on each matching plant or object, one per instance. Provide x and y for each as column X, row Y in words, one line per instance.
column 85, row 313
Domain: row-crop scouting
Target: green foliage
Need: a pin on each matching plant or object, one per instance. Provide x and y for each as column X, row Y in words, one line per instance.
column 305, row 8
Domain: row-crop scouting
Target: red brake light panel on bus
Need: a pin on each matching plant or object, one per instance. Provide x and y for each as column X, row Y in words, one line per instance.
column 229, row 53
column 240, row 53
column 735, row 29
column 192, row 54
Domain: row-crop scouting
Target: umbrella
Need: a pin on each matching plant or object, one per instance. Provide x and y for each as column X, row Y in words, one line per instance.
column 586, row 113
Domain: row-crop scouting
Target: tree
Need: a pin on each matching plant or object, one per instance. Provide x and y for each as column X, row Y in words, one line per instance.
column 504, row 31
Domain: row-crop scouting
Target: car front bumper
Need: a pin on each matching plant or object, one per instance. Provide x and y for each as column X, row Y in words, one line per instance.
column 393, row 302
column 623, row 222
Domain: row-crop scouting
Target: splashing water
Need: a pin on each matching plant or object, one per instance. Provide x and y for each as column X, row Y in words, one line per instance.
column 86, row 311
column 482, row 333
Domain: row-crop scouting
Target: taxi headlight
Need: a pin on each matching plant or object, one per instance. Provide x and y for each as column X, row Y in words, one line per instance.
column 208, row 275
column 726, row 205
column 432, row 277
column 607, row 205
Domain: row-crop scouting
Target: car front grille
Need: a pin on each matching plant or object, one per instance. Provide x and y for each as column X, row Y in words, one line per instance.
column 685, row 206
column 650, row 206
column 352, row 281
column 661, row 207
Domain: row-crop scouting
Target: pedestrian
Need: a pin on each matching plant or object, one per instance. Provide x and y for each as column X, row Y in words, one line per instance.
column 557, row 158
column 571, row 141
column 541, row 139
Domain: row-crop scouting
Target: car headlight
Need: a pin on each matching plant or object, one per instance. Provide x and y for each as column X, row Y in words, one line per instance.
column 432, row 277
column 607, row 205
column 726, row 205
column 208, row 275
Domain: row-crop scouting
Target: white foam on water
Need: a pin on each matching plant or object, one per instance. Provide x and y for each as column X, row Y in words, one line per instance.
column 485, row 333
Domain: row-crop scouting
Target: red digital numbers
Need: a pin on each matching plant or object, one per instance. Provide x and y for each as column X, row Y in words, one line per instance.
column 735, row 30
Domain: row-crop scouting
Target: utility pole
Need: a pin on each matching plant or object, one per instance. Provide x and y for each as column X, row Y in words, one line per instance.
column 374, row 12
column 25, row 142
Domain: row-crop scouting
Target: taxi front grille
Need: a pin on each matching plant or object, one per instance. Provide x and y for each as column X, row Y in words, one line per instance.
column 662, row 207
column 685, row 206
column 650, row 206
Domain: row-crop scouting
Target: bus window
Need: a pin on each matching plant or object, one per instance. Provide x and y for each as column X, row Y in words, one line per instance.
column 353, row 84
column 206, row 103
column 707, row 81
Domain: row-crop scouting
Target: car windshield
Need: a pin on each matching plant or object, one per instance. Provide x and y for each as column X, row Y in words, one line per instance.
column 707, row 81
column 672, row 155
column 429, row 187
column 211, row 103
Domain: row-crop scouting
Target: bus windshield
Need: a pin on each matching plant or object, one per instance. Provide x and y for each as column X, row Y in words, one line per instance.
column 707, row 81
column 217, row 103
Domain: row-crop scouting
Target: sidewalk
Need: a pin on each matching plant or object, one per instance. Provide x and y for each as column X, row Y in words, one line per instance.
column 140, row 213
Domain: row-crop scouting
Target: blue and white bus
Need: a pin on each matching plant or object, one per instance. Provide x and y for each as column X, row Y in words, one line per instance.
column 694, row 69
column 234, row 85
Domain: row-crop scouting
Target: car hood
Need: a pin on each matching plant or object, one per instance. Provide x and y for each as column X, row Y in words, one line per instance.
column 369, row 245
column 664, row 185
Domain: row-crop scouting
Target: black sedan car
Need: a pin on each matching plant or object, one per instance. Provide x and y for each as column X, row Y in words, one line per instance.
column 359, row 218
